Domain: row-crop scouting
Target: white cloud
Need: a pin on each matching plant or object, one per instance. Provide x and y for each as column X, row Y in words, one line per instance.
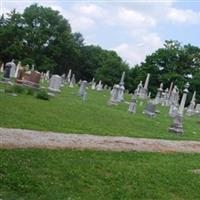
column 136, row 53
column 134, row 18
column 91, row 10
column 183, row 16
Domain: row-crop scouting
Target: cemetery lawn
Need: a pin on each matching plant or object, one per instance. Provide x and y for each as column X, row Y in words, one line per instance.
column 63, row 174
column 68, row 113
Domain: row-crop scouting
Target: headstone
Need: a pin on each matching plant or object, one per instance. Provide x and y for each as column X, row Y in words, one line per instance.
column 177, row 126
column 99, row 87
column 17, row 69
column 69, row 76
column 147, row 82
column 32, row 67
column 114, row 95
column 85, row 96
column 159, row 94
column 7, row 71
column 121, row 93
column 73, row 81
column 142, row 92
column 122, row 88
column 191, row 108
column 197, row 109
column 173, row 110
column 82, row 89
column 55, row 83
column 93, row 86
column 32, row 79
column 2, row 68
column 174, row 97
column 132, row 105
column 12, row 69
column 47, row 75
column 150, row 109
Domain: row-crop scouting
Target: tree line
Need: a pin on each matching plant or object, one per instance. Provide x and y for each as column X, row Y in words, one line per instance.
column 43, row 37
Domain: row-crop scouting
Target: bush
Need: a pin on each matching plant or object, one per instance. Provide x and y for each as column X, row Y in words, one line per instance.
column 9, row 89
column 42, row 94
column 30, row 91
column 19, row 89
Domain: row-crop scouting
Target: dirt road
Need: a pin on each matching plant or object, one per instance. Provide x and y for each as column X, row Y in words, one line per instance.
column 18, row 138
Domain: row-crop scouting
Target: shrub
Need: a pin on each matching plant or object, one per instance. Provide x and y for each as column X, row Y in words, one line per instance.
column 30, row 91
column 42, row 94
column 19, row 89
column 9, row 89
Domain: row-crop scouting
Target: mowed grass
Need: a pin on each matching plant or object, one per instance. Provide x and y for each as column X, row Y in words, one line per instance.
column 76, row 175
column 68, row 113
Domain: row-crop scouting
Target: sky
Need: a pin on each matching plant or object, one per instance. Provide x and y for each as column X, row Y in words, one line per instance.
column 133, row 28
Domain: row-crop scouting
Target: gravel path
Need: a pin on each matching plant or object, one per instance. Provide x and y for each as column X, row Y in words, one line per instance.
column 18, row 138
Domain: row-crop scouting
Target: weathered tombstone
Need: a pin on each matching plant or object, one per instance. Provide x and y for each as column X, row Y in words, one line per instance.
column 177, row 126
column 121, row 93
column 159, row 94
column 114, row 95
column 9, row 70
column 47, row 75
column 6, row 75
column 142, row 92
column 69, row 76
column 73, row 81
column 85, row 96
column 55, row 83
column 132, row 105
column 173, row 110
column 174, row 97
column 93, row 86
column 82, row 89
column 32, row 79
column 33, row 67
column 99, row 87
column 17, row 69
column 2, row 68
column 150, row 109
column 12, row 69
column 197, row 109
column 122, row 88
column 139, row 87
column 191, row 108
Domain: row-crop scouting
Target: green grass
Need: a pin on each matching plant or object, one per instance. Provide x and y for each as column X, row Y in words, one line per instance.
column 66, row 112
column 60, row 174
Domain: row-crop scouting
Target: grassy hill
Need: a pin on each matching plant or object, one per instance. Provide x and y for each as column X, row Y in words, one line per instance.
column 68, row 113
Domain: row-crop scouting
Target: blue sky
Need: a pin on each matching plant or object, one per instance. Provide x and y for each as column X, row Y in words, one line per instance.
column 133, row 28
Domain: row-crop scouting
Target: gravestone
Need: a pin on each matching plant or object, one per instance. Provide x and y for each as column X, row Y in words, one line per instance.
column 177, row 125
column 69, row 76
column 32, row 79
column 173, row 110
column 197, row 109
column 6, row 74
column 12, row 69
column 82, row 89
column 132, row 105
column 73, row 81
column 150, row 109
column 114, row 95
column 159, row 94
column 191, row 108
column 2, row 68
column 99, row 87
column 55, row 83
